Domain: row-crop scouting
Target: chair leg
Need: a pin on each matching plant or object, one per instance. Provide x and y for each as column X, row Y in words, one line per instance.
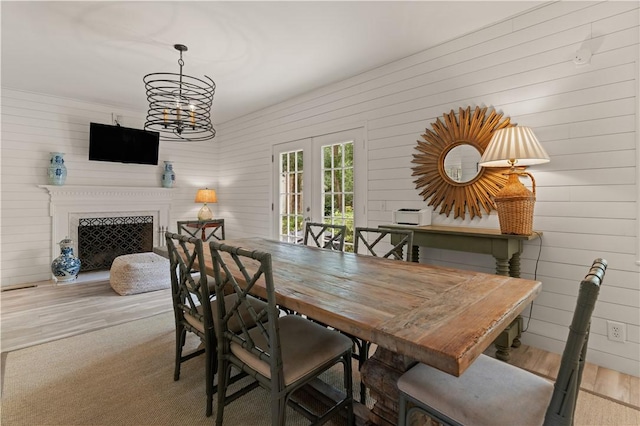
column 402, row 410
column 223, row 378
column 348, row 385
column 278, row 409
column 209, row 374
column 181, row 334
column 363, row 354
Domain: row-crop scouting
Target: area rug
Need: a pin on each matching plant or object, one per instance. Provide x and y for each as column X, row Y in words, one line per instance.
column 123, row 375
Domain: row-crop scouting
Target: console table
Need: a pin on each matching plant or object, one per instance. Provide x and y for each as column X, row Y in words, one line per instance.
column 505, row 249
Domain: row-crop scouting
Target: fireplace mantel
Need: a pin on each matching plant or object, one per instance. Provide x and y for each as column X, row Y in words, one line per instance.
column 77, row 193
column 69, row 203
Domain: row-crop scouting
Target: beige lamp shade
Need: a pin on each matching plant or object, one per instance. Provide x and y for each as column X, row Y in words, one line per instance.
column 206, row 196
column 513, row 146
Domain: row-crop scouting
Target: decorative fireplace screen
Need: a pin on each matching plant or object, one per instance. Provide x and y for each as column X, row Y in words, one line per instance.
column 101, row 240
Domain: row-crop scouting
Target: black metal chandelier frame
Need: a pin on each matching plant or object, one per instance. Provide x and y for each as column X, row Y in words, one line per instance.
column 180, row 105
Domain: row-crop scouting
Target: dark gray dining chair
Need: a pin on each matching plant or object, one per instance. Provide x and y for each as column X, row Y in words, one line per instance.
column 378, row 242
column 204, row 229
column 284, row 353
column 325, row 235
column 193, row 308
column 492, row 392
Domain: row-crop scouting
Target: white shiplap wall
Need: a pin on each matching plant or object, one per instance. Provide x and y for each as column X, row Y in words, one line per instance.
column 585, row 116
column 34, row 125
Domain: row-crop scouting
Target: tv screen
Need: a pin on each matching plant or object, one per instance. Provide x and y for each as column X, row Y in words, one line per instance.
column 122, row 144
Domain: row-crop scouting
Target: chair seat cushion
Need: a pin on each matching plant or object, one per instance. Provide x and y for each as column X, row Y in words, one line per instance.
column 139, row 273
column 305, row 346
column 489, row 392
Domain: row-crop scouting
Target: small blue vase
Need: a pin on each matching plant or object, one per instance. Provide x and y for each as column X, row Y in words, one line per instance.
column 57, row 170
column 168, row 176
column 66, row 266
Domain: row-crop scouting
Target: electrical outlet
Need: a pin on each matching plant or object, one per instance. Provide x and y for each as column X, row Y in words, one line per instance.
column 616, row 331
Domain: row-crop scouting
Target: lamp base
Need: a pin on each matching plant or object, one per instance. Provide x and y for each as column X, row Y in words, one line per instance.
column 515, row 204
column 205, row 213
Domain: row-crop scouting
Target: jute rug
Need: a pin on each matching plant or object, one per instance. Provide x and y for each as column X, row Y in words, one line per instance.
column 123, row 375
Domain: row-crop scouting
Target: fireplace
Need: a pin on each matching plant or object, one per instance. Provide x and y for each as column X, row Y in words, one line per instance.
column 102, row 239
column 80, row 210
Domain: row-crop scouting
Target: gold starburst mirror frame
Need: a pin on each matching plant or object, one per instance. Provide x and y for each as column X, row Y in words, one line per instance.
column 436, row 181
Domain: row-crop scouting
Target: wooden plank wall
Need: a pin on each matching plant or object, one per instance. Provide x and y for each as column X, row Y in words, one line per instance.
column 586, row 116
column 34, row 125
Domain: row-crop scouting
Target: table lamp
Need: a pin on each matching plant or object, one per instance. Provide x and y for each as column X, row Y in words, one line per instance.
column 515, row 147
column 206, row 196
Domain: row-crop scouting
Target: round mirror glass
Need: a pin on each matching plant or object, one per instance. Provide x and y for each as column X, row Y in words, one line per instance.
column 461, row 163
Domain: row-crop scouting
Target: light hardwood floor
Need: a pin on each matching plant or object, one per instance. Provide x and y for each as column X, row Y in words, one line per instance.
column 45, row 312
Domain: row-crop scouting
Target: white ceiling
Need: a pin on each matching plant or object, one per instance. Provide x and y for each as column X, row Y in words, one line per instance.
column 258, row 53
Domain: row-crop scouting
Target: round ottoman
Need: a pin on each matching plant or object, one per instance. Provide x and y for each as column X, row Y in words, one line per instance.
column 139, row 273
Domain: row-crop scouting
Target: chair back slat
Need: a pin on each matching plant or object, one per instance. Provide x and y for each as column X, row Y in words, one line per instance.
column 565, row 394
column 325, row 235
column 205, row 230
column 401, row 250
column 190, row 291
column 255, row 267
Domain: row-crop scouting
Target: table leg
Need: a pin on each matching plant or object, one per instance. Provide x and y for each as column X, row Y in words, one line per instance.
column 510, row 337
column 380, row 373
column 514, row 265
column 502, row 267
column 415, row 254
column 514, row 271
column 507, row 339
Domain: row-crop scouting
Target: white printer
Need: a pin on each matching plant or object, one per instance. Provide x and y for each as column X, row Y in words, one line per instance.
column 412, row 217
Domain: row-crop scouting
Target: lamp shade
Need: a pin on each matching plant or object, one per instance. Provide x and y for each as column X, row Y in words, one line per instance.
column 206, row 196
column 511, row 146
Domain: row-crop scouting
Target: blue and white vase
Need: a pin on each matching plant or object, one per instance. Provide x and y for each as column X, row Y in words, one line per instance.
column 57, row 169
column 65, row 267
column 168, row 175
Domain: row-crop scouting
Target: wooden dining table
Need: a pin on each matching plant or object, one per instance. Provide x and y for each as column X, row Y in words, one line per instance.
column 412, row 312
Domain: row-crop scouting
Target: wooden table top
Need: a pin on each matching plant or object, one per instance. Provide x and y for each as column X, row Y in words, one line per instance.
column 443, row 317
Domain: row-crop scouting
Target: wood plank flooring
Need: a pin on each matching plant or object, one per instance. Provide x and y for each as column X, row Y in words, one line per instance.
column 45, row 312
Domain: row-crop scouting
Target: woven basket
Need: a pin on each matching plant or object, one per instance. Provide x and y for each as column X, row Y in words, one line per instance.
column 515, row 204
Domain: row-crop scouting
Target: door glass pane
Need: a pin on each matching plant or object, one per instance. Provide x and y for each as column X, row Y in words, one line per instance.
column 337, row 196
column 291, row 218
column 327, row 157
column 328, row 181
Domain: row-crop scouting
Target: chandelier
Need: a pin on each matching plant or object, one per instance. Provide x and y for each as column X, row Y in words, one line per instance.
column 180, row 105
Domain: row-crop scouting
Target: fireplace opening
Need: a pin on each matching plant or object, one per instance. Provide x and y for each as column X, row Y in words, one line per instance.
column 101, row 240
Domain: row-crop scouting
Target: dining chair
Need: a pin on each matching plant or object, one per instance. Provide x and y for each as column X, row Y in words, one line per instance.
column 205, row 230
column 193, row 307
column 377, row 242
column 284, row 353
column 325, row 235
column 492, row 392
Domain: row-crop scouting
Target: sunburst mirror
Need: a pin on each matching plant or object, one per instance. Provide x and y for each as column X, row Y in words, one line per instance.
column 447, row 162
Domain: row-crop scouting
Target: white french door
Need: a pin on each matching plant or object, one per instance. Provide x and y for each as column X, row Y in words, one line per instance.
column 319, row 179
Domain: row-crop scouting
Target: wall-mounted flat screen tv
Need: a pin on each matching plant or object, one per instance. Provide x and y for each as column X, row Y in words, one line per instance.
column 123, row 144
